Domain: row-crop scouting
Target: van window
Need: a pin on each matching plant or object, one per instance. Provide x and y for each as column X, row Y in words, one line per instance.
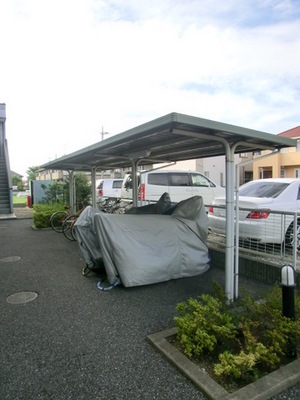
column 201, row 180
column 128, row 182
column 179, row 179
column 117, row 184
column 158, row 179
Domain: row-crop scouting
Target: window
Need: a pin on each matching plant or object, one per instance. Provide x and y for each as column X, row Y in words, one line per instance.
column 128, row 182
column 282, row 172
column 297, row 173
column 158, row 179
column 117, row 184
column 179, row 179
column 298, row 196
column 263, row 189
column 200, row 180
column 265, row 173
column 222, row 181
column 248, row 176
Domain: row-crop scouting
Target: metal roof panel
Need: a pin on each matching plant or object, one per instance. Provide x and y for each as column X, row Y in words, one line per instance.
column 173, row 137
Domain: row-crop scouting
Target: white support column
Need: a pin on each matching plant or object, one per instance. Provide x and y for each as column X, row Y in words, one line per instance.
column 93, row 183
column 237, row 206
column 229, row 258
column 71, row 191
column 134, row 182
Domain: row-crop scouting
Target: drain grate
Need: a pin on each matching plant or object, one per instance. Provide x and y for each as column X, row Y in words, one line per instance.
column 10, row 259
column 21, row 297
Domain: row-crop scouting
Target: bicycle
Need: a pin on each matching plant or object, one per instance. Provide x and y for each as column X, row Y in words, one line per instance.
column 110, row 205
column 68, row 223
column 113, row 205
column 57, row 219
column 67, row 227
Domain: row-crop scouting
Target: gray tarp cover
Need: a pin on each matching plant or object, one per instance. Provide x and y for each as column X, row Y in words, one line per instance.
column 144, row 249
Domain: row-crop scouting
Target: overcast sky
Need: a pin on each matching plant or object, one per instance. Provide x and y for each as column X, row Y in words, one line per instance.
column 70, row 67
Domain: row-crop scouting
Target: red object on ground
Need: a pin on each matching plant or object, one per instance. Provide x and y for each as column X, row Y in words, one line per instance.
column 28, row 201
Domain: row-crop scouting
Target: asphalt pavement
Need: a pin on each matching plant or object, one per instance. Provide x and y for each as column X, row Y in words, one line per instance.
column 62, row 338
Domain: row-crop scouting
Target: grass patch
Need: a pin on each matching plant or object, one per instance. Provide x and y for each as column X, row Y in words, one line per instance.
column 19, row 200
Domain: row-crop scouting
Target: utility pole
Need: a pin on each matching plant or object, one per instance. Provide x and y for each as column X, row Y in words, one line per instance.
column 103, row 133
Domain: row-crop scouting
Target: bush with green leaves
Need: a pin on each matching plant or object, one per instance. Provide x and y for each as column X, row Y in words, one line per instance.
column 202, row 324
column 42, row 213
column 55, row 192
column 250, row 338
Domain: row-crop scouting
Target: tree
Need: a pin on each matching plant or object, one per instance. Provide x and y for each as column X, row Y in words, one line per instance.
column 17, row 181
column 54, row 192
column 82, row 186
column 32, row 172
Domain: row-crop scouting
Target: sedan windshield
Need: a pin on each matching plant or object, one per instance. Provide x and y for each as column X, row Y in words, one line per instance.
column 263, row 189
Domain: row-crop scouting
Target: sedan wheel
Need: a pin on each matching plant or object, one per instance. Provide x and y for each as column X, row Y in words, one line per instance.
column 289, row 236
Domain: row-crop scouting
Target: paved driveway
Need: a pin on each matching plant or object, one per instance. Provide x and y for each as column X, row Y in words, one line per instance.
column 75, row 342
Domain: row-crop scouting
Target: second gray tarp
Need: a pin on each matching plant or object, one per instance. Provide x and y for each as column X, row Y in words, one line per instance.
column 144, row 249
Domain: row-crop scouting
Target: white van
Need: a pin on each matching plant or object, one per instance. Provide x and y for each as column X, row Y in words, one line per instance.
column 109, row 188
column 179, row 184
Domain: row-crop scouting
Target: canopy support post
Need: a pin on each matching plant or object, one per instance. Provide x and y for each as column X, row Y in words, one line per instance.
column 72, row 191
column 229, row 257
column 134, row 164
column 93, row 183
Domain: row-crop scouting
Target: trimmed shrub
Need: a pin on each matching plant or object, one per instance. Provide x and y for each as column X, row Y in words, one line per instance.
column 42, row 213
column 247, row 338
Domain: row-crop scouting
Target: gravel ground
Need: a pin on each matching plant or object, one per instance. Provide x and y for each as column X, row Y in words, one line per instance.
column 290, row 394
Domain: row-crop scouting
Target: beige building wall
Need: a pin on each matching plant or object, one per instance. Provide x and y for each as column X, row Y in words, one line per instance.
column 284, row 164
column 51, row 175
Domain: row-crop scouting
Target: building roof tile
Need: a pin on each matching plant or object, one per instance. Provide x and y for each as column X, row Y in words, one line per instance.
column 291, row 133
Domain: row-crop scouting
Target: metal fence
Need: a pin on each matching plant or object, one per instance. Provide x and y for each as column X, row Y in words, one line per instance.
column 272, row 235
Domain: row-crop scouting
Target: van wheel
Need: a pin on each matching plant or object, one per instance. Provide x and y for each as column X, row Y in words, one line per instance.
column 289, row 236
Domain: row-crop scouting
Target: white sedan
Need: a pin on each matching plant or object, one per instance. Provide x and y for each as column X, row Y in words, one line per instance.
column 261, row 203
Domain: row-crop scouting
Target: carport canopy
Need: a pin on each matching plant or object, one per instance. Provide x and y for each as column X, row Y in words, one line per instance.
column 176, row 137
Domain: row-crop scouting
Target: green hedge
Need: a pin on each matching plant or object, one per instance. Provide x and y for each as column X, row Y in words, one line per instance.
column 247, row 339
column 43, row 212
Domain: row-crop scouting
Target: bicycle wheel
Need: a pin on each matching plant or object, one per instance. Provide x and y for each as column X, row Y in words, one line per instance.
column 57, row 220
column 68, row 226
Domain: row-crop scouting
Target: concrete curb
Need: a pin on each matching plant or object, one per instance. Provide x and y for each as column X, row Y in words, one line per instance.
column 7, row 216
column 262, row 389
